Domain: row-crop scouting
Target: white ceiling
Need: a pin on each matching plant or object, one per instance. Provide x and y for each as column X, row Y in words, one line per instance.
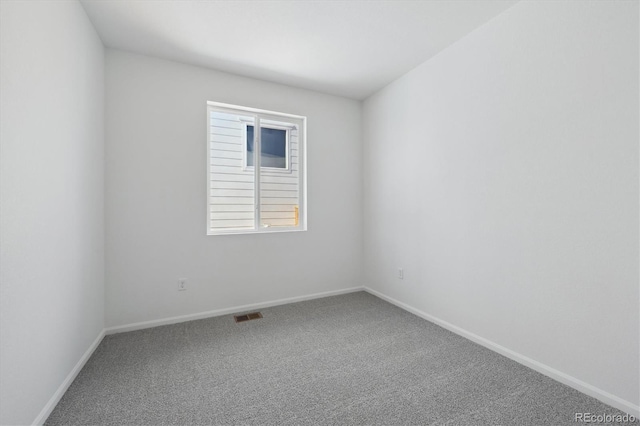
column 348, row 48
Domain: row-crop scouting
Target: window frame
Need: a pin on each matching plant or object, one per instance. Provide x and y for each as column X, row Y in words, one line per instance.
column 245, row 156
column 299, row 122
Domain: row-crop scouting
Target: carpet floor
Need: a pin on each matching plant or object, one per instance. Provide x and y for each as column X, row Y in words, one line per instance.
column 350, row 359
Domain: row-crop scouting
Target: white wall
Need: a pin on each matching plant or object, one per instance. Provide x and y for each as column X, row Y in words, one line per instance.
column 52, row 221
column 156, row 138
column 502, row 175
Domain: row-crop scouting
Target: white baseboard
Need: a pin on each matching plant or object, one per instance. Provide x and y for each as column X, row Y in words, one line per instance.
column 561, row 377
column 226, row 311
column 46, row 411
column 606, row 397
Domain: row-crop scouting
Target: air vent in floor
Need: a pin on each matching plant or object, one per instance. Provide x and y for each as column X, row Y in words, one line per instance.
column 247, row 317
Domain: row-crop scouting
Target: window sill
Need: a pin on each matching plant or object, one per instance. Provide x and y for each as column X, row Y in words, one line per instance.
column 273, row 230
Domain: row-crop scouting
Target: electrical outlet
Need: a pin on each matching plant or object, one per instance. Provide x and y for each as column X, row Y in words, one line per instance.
column 182, row 284
column 400, row 273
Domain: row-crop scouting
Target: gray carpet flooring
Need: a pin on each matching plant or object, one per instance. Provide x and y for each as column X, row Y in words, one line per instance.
column 350, row 359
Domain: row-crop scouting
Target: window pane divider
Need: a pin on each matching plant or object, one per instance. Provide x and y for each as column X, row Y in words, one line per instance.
column 256, row 170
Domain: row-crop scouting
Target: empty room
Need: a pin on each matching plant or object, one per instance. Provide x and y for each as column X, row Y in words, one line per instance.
column 319, row 212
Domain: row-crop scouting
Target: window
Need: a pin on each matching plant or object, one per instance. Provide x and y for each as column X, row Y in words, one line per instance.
column 274, row 147
column 255, row 176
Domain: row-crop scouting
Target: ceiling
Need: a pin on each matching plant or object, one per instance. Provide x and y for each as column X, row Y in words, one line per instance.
column 347, row 48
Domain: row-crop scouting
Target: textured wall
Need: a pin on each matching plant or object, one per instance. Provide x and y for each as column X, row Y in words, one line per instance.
column 502, row 175
column 52, row 188
column 156, row 121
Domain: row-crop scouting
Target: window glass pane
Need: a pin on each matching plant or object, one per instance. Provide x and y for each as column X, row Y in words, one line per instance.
column 279, row 191
column 231, row 186
column 250, row 146
column 273, row 150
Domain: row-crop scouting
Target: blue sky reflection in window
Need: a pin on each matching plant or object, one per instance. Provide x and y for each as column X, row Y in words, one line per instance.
column 274, row 147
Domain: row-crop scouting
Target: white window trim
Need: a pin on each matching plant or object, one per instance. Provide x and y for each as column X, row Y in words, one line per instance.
column 302, row 168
